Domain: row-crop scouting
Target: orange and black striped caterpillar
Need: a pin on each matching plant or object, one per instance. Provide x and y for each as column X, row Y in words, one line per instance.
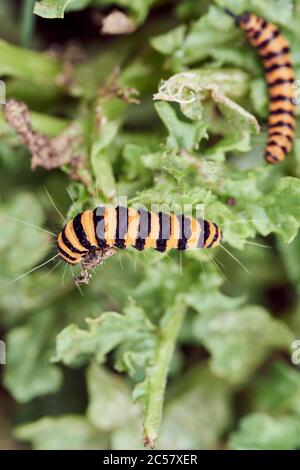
column 121, row 227
column 274, row 50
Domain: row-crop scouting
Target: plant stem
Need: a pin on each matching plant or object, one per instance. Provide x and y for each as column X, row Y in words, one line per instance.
column 27, row 22
column 157, row 374
column 46, row 124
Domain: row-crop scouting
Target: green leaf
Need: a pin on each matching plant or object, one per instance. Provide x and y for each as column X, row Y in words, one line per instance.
column 282, row 207
column 138, row 8
column 133, row 330
column 28, row 373
column 259, row 96
column 260, row 431
column 169, row 42
column 34, row 291
column 194, row 91
column 135, row 156
column 189, row 89
column 183, row 135
column 238, row 118
column 290, row 256
column 105, row 181
column 104, row 134
column 164, row 313
column 108, row 395
column 284, row 382
column 197, row 412
column 236, row 57
column 206, row 34
column 17, row 219
column 287, row 194
column 205, row 296
column 28, row 65
column 68, row 432
column 240, row 340
column 274, row 10
column 56, row 8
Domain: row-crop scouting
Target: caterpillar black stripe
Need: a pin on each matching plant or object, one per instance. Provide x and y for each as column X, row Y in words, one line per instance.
column 274, row 50
column 121, row 227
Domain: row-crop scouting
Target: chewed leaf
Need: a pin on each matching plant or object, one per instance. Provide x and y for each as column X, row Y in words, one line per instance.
column 185, row 349
column 238, row 118
column 133, row 331
column 183, row 87
column 193, row 90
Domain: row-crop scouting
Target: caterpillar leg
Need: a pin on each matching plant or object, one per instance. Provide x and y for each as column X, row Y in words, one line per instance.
column 93, row 259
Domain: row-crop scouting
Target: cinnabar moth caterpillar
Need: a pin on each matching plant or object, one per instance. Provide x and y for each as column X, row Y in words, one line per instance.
column 122, row 227
column 274, row 50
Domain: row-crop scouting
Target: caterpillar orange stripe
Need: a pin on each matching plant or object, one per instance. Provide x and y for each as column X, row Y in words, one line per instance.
column 121, row 227
column 274, row 50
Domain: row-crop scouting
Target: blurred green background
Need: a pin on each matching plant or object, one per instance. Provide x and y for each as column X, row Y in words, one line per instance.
column 88, row 370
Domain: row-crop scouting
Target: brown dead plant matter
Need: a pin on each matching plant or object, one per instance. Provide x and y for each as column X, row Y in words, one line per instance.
column 46, row 152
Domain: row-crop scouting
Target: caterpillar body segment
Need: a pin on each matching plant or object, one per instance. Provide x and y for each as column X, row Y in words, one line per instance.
column 274, row 51
column 121, row 227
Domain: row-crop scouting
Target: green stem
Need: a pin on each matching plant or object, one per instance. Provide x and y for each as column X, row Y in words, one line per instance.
column 28, row 20
column 157, row 374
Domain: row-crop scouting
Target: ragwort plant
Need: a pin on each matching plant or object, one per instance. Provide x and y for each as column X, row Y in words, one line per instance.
column 171, row 111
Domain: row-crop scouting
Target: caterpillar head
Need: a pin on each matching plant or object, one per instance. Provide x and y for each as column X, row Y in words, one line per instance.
column 217, row 238
column 88, row 259
column 247, row 21
column 212, row 234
